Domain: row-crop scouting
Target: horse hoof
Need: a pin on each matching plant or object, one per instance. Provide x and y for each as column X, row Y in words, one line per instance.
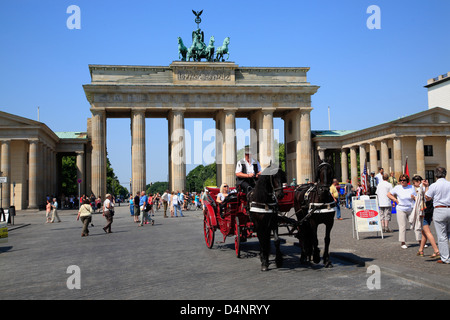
column 264, row 268
column 328, row 265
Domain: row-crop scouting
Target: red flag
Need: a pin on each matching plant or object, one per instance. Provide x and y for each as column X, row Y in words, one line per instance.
column 407, row 169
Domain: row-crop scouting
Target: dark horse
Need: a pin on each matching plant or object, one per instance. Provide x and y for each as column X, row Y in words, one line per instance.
column 263, row 206
column 314, row 205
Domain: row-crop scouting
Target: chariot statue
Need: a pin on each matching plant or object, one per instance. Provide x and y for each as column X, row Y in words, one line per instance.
column 199, row 50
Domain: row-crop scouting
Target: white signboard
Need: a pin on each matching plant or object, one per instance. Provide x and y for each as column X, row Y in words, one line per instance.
column 3, row 179
column 366, row 216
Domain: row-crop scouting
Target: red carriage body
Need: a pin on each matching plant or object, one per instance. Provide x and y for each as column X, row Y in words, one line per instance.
column 235, row 220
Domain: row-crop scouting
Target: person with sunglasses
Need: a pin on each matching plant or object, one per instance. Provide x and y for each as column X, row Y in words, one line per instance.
column 221, row 196
column 403, row 196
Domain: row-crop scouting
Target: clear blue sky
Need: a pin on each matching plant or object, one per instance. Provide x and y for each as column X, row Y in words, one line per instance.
column 367, row 77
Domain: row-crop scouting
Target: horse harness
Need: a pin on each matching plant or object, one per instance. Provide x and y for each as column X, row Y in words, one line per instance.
column 314, row 207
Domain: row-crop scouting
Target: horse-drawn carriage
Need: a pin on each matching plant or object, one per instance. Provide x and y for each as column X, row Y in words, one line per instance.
column 262, row 211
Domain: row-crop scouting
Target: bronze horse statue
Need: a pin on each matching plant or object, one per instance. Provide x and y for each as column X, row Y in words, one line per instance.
column 314, row 205
column 262, row 202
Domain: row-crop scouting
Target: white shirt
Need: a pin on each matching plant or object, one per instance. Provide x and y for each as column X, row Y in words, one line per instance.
column 107, row 204
column 405, row 202
column 440, row 192
column 379, row 178
column 382, row 190
column 175, row 199
column 249, row 166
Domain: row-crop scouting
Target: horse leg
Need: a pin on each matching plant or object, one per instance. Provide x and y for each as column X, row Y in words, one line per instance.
column 326, row 255
column 316, row 250
column 264, row 243
column 277, row 242
column 305, row 244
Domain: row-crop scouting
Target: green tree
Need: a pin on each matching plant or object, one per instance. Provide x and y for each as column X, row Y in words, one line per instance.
column 69, row 175
column 157, row 187
column 113, row 185
column 200, row 177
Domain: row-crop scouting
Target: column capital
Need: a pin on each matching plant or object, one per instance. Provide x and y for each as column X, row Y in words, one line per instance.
column 138, row 111
column 268, row 110
column 305, row 110
column 95, row 111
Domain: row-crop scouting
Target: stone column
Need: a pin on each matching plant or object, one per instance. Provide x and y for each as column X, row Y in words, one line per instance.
column 384, row 156
column 48, row 171
column 98, row 153
column 304, row 152
column 344, row 165
column 138, row 159
column 220, row 146
column 80, row 171
column 373, row 158
column 32, row 175
column 354, row 166
column 420, row 158
column 397, row 157
column 230, row 147
column 177, row 154
column 447, row 157
column 255, row 126
column 362, row 157
column 266, row 138
column 6, row 172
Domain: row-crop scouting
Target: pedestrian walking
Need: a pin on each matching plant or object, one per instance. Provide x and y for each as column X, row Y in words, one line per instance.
column 439, row 192
column 335, row 193
column 420, row 220
column 85, row 214
column 108, row 213
column 131, row 206
column 143, row 207
column 137, row 208
column 177, row 204
column 165, row 199
column 372, row 183
column 392, row 179
column 402, row 195
column 384, row 187
column 348, row 194
column 48, row 211
column 55, row 211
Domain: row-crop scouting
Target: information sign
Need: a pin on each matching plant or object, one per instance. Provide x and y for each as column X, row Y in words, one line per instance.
column 366, row 217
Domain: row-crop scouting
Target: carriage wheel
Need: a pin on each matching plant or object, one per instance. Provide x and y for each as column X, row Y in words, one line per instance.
column 237, row 239
column 208, row 230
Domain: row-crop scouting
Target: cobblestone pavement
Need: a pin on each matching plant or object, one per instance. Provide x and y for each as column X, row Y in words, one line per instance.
column 171, row 261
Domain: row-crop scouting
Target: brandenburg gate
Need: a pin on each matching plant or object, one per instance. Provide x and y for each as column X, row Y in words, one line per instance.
column 201, row 89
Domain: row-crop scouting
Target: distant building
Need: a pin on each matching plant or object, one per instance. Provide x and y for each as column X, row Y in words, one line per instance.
column 439, row 91
column 422, row 138
column 31, row 154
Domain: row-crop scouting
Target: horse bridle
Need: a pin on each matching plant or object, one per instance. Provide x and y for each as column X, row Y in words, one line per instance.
column 264, row 207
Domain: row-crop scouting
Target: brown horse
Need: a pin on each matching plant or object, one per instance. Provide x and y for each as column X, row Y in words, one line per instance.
column 263, row 208
column 314, row 205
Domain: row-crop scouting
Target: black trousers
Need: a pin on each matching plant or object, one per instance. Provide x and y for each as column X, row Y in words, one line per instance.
column 246, row 183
